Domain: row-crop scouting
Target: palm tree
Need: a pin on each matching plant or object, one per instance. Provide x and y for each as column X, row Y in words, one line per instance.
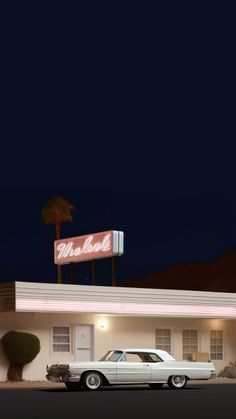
column 57, row 211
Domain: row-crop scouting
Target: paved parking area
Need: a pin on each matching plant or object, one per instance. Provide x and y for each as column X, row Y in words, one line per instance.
column 44, row 400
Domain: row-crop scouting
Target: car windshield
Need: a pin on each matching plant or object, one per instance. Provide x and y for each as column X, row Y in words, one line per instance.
column 112, row 356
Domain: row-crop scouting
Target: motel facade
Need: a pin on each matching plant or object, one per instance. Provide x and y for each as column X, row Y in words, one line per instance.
column 82, row 322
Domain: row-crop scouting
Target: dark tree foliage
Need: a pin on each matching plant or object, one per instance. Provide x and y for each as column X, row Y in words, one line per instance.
column 57, row 211
column 20, row 348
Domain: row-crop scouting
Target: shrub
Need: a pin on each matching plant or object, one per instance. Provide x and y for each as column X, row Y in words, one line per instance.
column 20, row 348
column 229, row 371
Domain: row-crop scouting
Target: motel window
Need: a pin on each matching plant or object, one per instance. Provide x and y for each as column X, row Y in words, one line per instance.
column 216, row 344
column 61, row 339
column 163, row 339
column 190, row 343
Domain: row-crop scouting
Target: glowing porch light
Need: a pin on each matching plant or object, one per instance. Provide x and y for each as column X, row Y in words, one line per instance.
column 102, row 324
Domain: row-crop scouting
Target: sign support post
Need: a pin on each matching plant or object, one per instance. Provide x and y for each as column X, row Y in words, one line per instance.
column 93, row 272
column 89, row 248
column 113, row 271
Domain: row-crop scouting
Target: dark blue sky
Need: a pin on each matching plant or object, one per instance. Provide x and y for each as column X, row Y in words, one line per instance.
column 160, row 230
column 130, row 116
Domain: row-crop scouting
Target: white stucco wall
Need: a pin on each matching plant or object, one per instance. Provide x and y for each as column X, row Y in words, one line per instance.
column 120, row 332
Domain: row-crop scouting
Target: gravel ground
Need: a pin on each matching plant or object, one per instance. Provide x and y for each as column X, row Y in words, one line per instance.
column 49, row 384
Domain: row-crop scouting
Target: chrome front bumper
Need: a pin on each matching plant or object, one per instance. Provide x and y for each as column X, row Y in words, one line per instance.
column 57, row 372
column 53, row 378
column 63, row 379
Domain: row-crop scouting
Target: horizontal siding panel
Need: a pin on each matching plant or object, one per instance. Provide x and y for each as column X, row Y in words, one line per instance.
column 122, row 295
column 29, row 296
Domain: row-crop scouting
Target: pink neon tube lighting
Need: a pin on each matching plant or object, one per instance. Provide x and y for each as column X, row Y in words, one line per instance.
column 62, row 306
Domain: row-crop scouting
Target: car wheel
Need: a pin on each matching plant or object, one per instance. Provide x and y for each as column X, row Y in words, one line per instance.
column 92, row 380
column 177, row 381
column 72, row 386
column 156, row 385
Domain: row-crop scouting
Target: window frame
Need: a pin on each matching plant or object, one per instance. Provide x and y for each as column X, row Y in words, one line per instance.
column 189, row 343
column 163, row 346
column 61, row 343
column 216, row 344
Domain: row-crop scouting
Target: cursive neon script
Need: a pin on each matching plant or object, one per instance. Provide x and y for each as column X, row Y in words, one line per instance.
column 67, row 249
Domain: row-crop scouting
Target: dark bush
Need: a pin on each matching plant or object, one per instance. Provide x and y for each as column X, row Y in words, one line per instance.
column 20, row 348
column 229, row 371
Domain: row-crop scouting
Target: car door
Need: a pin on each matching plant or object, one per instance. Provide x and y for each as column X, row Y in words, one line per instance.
column 109, row 370
column 162, row 370
column 131, row 369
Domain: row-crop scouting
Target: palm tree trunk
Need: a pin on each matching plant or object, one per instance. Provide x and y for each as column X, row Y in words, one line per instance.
column 58, row 225
column 72, row 273
column 59, row 273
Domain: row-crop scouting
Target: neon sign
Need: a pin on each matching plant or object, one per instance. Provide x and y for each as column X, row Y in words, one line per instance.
column 89, row 247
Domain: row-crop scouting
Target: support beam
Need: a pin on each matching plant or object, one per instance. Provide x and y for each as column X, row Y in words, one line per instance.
column 93, row 273
column 113, row 271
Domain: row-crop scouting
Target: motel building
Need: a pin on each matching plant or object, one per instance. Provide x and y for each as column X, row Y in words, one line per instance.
column 83, row 322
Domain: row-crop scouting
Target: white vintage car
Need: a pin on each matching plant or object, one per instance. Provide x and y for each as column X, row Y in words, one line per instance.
column 130, row 366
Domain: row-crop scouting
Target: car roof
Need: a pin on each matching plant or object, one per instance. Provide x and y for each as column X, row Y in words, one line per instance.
column 163, row 354
column 142, row 350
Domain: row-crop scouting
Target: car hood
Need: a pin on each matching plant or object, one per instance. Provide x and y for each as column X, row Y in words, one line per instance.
column 91, row 364
column 82, row 365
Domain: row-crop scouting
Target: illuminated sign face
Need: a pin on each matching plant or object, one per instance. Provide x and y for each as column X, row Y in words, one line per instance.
column 89, row 247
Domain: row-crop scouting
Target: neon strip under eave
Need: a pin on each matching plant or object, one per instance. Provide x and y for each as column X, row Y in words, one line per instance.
column 62, row 306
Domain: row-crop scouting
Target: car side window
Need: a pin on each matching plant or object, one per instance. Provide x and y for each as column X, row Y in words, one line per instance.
column 115, row 356
column 140, row 357
column 133, row 357
column 155, row 358
column 150, row 357
column 146, row 358
column 123, row 358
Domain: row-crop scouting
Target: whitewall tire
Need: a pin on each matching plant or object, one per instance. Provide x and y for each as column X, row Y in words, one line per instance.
column 92, row 380
column 177, row 382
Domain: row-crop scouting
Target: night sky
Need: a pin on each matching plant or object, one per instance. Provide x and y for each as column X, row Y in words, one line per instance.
column 132, row 121
column 160, row 230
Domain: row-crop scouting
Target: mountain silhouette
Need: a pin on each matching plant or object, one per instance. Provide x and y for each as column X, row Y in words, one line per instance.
column 216, row 275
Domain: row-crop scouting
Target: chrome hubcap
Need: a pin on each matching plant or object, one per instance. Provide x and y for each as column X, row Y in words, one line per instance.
column 93, row 381
column 178, row 380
